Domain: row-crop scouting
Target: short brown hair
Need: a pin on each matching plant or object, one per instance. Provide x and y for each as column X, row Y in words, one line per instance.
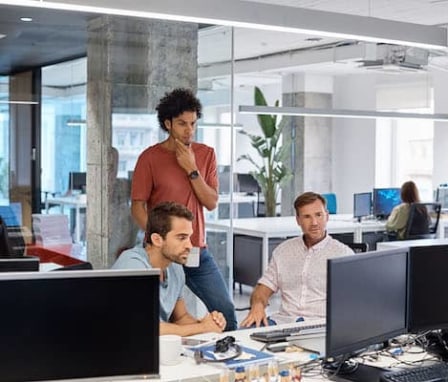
column 159, row 218
column 308, row 198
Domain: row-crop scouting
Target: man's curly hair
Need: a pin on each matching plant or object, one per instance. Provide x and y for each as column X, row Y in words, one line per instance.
column 175, row 103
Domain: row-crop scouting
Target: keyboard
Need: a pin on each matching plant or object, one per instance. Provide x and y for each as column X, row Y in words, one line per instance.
column 433, row 373
column 287, row 334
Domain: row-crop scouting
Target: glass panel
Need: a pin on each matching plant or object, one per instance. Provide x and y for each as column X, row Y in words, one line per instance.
column 4, row 140
column 216, row 129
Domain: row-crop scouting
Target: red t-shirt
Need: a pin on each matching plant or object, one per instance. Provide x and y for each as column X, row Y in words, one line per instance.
column 159, row 178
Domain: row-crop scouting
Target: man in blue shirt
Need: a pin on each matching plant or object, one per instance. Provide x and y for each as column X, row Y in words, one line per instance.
column 168, row 245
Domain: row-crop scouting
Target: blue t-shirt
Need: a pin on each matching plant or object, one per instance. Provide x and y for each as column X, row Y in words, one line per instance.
column 170, row 289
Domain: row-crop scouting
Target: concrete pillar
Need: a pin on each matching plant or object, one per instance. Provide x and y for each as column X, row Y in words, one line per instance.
column 131, row 64
column 310, row 136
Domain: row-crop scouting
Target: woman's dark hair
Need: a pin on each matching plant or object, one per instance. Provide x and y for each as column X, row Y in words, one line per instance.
column 409, row 193
column 159, row 218
column 175, row 103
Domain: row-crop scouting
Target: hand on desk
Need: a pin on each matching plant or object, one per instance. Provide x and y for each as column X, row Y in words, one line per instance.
column 256, row 316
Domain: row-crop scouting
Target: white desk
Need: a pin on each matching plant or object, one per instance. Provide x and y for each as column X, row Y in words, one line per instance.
column 410, row 243
column 77, row 201
column 285, row 226
column 187, row 370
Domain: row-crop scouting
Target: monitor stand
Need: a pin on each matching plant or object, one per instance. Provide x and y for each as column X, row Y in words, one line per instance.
column 363, row 373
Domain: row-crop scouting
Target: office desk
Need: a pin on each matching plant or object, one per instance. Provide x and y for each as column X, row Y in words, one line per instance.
column 187, row 370
column 77, row 201
column 411, row 243
column 63, row 254
column 286, row 226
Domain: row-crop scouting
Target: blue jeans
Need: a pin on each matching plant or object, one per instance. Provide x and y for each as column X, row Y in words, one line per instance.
column 207, row 283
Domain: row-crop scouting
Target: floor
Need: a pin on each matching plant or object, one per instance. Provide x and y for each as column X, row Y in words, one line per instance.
column 241, row 301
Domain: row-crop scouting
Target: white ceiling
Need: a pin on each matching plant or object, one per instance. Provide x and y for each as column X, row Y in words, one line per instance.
column 276, row 53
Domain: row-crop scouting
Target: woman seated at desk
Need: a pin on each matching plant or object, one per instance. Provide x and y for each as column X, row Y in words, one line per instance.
column 398, row 219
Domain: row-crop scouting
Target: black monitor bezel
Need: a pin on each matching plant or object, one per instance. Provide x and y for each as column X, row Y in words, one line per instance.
column 77, row 180
column 427, row 266
column 78, row 359
column 351, row 348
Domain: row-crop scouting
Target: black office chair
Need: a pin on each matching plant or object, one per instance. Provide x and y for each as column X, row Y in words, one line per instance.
column 358, row 247
column 76, row 267
column 423, row 221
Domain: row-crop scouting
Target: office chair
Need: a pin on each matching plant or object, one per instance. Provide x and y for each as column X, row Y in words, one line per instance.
column 358, row 247
column 423, row 221
column 331, row 203
column 75, row 267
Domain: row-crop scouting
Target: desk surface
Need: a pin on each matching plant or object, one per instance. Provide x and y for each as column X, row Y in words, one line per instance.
column 410, row 243
column 187, row 370
column 287, row 225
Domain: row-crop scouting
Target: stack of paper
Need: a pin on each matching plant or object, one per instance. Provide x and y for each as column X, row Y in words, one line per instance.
column 51, row 229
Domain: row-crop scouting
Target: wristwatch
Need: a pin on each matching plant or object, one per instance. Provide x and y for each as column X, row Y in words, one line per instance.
column 193, row 175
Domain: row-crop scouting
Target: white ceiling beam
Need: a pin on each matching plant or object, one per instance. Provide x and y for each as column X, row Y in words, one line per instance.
column 263, row 16
column 338, row 113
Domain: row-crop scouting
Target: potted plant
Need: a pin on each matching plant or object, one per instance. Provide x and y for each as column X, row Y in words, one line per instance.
column 271, row 173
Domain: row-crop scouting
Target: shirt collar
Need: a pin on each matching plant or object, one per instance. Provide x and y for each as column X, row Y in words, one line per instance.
column 318, row 246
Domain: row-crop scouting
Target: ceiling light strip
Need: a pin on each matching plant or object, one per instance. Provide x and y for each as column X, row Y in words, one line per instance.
column 20, row 102
column 338, row 113
column 263, row 16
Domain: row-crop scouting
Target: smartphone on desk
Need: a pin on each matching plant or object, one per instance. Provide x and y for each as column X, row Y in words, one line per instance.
column 192, row 341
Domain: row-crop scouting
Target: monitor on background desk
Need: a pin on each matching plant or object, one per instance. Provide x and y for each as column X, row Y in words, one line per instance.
column 5, row 245
column 77, row 181
column 79, row 324
column 366, row 302
column 384, row 200
column 362, row 205
column 247, row 183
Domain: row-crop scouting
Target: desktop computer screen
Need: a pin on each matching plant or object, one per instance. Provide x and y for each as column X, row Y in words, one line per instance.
column 384, row 200
column 366, row 300
column 79, row 325
column 77, row 181
column 428, row 305
column 362, row 205
column 247, row 183
column 5, row 245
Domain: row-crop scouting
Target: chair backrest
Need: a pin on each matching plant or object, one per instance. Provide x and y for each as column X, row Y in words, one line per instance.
column 331, row 203
column 423, row 221
column 76, row 267
column 358, row 247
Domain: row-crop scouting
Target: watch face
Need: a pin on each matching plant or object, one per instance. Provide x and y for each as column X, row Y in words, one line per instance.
column 193, row 175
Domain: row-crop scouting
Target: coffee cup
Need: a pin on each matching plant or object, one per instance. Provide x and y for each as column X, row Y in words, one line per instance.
column 170, row 349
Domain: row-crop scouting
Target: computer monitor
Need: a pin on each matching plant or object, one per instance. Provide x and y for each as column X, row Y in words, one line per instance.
column 384, row 200
column 19, row 264
column 79, row 325
column 77, row 181
column 362, row 205
column 428, row 305
column 5, row 245
column 442, row 196
column 247, row 183
column 366, row 300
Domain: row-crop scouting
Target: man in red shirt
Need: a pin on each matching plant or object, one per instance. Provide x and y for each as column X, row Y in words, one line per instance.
column 181, row 170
